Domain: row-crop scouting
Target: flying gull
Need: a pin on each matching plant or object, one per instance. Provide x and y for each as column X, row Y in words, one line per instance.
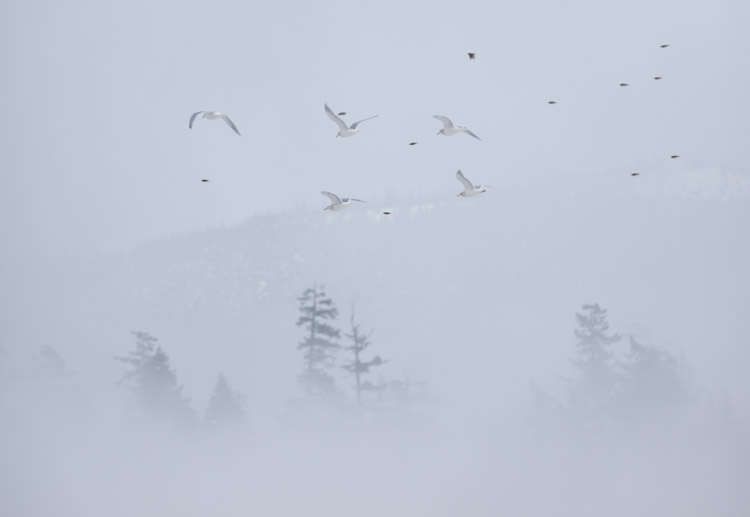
column 338, row 203
column 212, row 115
column 470, row 190
column 345, row 130
column 449, row 129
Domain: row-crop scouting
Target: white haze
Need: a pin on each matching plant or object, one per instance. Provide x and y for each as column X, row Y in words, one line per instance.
column 107, row 229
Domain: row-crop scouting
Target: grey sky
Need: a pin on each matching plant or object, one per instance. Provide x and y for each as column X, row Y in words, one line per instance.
column 97, row 154
column 107, row 228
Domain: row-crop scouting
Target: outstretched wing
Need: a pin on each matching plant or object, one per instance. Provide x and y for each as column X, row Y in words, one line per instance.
column 472, row 134
column 336, row 119
column 192, row 118
column 354, row 126
column 445, row 120
column 466, row 183
column 335, row 200
column 352, row 199
column 231, row 124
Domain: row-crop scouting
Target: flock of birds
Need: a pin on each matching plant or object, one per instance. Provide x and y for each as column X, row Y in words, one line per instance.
column 348, row 130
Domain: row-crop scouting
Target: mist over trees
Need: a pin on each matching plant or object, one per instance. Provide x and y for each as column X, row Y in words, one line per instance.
column 620, row 396
column 593, row 389
column 226, row 409
column 319, row 344
column 156, row 392
column 358, row 366
column 608, row 384
column 43, row 387
column 615, row 386
column 219, row 402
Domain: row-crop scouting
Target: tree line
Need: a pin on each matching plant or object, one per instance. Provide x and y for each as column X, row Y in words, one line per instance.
column 610, row 384
column 616, row 387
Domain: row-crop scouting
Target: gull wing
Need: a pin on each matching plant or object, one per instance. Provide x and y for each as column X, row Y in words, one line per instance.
column 472, row 134
column 354, row 126
column 445, row 120
column 230, row 123
column 335, row 200
column 353, row 199
column 336, row 119
column 192, row 118
column 466, row 183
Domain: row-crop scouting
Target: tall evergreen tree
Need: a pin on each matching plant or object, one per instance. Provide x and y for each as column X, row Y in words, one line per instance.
column 358, row 366
column 154, row 383
column 596, row 385
column 653, row 383
column 319, row 343
column 225, row 409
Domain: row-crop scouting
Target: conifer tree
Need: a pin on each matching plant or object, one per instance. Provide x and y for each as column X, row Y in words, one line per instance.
column 225, row 409
column 154, row 383
column 358, row 366
column 594, row 389
column 319, row 344
column 653, row 383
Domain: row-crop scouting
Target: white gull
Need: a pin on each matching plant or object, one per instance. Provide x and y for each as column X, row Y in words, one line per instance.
column 449, row 129
column 338, row 203
column 344, row 129
column 470, row 190
column 212, row 115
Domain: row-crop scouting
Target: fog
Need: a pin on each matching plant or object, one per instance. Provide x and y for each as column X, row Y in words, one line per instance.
column 571, row 342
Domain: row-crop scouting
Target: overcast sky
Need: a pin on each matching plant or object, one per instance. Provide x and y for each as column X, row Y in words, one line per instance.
column 97, row 154
column 107, row 228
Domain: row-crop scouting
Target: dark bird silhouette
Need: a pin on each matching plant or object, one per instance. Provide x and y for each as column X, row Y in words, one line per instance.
column 386, row 213
column 551, row 102
column 635, row 174
column 624, row 84
column 413, row 143
column 204, row 181
column 657, row 78
column 675, row 156
column 665, row 46
column 472, row 55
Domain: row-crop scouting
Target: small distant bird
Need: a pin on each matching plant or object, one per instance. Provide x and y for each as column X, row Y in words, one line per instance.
column 657, row 78
column 342, row 113
column 338, row 203
column 345, row 130
column 470, row 190
column 472, row 55
column 675, row 156
column 635, row 174
column 551, row 102
column 449, row 129
column 413, row 143
column 624, row 84
column 665, row 46
column 386, row 213
column 204, row 181
column 212, row 115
